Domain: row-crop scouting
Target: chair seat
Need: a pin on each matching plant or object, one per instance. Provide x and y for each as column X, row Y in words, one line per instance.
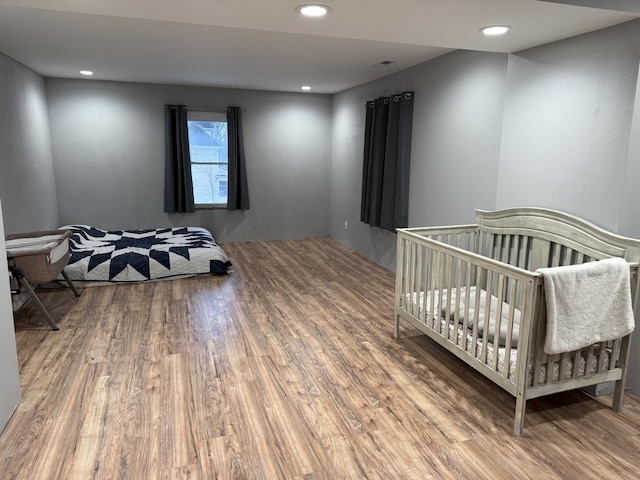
column 39, row 257
column 28, row 246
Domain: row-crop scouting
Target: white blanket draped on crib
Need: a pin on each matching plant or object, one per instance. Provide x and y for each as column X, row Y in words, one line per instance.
column 586, row 304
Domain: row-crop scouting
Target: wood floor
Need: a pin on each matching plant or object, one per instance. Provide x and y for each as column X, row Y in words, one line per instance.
column 285, row 369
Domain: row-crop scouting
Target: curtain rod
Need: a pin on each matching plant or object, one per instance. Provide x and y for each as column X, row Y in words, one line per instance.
column 396, row 97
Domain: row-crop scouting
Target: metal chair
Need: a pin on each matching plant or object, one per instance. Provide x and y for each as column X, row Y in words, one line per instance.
column 37, row 258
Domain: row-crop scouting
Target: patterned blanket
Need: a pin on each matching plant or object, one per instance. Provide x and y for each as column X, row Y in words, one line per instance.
column 137, row 255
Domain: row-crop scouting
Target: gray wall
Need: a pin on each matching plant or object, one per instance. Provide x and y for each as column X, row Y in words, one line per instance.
column 630, row 223
column 27, row 185
column 9, row 381
column 567, row 124
column 108, row 145
column 455, row 148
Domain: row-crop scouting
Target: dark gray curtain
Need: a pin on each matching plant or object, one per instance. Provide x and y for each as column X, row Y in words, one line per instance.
column 387, row 154
column 238, row 188
column 178, row 186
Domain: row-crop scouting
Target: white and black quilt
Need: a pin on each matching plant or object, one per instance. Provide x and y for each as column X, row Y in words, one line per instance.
column 138, row 255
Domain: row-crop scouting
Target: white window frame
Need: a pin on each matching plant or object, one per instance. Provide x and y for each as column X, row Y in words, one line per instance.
column 209, row 116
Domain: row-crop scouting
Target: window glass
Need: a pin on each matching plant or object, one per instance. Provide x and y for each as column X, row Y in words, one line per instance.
column 209, row 157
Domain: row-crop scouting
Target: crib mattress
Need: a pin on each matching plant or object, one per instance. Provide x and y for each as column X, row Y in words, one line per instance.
column 472, row 305
column 465, row 341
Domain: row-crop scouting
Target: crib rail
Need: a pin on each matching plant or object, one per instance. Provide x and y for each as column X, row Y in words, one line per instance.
column 463, row 300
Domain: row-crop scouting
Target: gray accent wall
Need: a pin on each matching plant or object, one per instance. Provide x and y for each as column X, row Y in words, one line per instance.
column 567, row 124
column 108, row 144
column 455, row 150
column 630, row 224
column 27, row 183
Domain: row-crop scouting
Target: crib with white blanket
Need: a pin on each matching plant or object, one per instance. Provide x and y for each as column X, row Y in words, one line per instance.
column 538, row 301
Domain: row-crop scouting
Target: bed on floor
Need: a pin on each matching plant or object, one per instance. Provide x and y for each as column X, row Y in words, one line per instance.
column 141, row 255
column 536, row 300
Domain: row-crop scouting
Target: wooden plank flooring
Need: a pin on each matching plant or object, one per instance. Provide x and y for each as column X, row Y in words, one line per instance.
column 285, row 369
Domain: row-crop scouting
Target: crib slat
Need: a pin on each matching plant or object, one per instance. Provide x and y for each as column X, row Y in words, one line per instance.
column 434, row 268
column 418, row 284
column 441, row 259
column 514, row 248
column 540, row 357
column 452, row 321
column 492, row 240
column 552, row 360
column 496, row 253
column 468, row 241
column 410, row 274
column 445, row 293
column 602, row 353
column 487, row 308
column 498, row 321
column 571, row 257
column 426, row 285
column 474, row 335
column 512, row 257
column 564, row 360
column 422, row 289
column 615, row 354
column 465, row 321
column 575, row 367
column 477, row 242
column 407, row 263
column 451, row 290
column 507, row 344
column 408, row 256
column 523, row 252
column 554, row 255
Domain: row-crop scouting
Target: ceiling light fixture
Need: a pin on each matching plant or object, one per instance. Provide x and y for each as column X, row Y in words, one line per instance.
column 306, row 88
column 313, row 10
column 86, row 73
column 494, row 30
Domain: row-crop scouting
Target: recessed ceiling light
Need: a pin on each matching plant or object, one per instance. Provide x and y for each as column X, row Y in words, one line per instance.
column 495, row 30
column 313, row 10
column 306, row 88
column 86, row 73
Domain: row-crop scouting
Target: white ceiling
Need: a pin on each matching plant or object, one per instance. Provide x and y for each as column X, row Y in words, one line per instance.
column 266, row 44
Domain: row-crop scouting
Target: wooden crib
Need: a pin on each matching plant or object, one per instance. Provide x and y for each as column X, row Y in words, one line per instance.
column 475, row 290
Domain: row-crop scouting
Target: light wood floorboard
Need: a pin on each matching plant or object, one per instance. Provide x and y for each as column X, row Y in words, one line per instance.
column 285, row 369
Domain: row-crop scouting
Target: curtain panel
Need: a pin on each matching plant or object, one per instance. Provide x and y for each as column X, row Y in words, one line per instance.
column 238, row 188
column 386, row 162
column 178, row 185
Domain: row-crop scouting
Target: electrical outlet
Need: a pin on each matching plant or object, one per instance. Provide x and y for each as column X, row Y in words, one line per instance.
column 346, row 225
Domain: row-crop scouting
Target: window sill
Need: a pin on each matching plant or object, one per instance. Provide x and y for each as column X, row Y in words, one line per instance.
column 211, row 207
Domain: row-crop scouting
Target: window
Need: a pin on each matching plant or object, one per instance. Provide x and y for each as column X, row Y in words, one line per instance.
column 209, row 157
